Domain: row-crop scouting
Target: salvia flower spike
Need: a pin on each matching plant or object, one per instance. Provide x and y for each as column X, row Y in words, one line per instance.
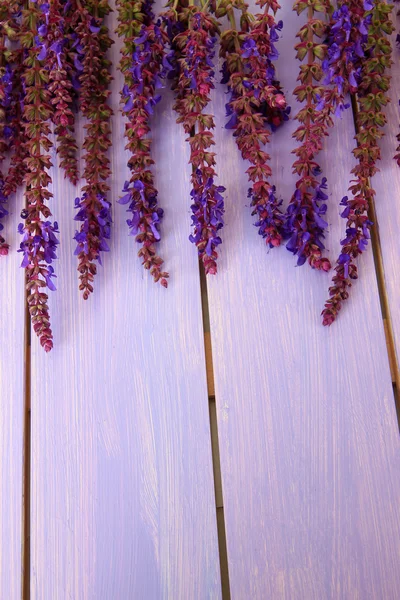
column 15, row 130
column 256, row 101
column 55, row 32
column 372, row 98
column 305, row 224
column 5, row 101
column 12, row 138
column 39, row 239
column 348, row 30
column 196, row 79
column 142, row 64
column 94, row 208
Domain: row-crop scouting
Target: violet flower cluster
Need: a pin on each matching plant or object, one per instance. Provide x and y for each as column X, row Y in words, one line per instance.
column 305, row 225
column 256, row 102
column 143, row 65
column 53, row 63
column 39, row 241
column 94, row 207
column 196, row 45
column 14, row 131
column 348, row 31
column 372, row 98
column 5, row 101
column 11, row 129
column 58, row 53
column 54, row 56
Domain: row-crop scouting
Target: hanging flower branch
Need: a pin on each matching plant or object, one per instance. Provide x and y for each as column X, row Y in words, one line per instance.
column 142, row 63
column 196, row 79
column 15, row 128
column 94, row 209
column 256, row 101
column 5, row 100
column 39, row 241
column 60, row 85
column 348, row 33
column 12, row 134
column 372, row 98
column 53, row 62
column 305, row 225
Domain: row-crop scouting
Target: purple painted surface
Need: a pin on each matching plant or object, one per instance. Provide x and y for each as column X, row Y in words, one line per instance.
column 309, row 442
column 122, row 487
column 11, row 408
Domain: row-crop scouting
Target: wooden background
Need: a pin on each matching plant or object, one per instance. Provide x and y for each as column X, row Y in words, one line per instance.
column 132, row 466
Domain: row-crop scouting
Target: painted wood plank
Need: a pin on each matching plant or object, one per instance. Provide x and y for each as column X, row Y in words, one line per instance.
column 387, row 206
column 309, row 443
column 122, row 486
column 11, row 408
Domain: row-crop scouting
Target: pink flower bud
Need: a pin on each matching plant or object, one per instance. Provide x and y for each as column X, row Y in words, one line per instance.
column 280, row 101
column 327, row 318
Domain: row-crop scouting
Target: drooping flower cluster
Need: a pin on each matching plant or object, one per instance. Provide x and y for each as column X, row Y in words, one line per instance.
column 305, row 225
column 5, row 100
column 372, row 98
column 14, row 130
column 94, row 208
column 11, row 128
column 143, row 65
column 39, row 241
column 53, row 63
column 196, row 79
column 342, row 67
column 256, row 101
column 57, row 53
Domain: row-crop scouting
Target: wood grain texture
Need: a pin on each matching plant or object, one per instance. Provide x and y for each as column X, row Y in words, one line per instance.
column 309, row 444
column 122, row 485
column 11, row 408
column 387, row 206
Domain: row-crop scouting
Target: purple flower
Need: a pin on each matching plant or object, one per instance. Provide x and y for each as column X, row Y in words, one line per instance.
column 208, row 210
column 94, row 216
column 77, row 64
column 270, row 218
column 45, row 241
column 94, row 28
column 50, row 274
column 345, row 54
column 303, row 225
column 249, row 48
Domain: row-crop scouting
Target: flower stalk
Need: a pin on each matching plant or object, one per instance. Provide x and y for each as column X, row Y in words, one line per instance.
column 94, row 208
column 256, row 102
column 196, row 48
column 143, row 66
column 372, row 97
column 305, row 225
column 39, row 241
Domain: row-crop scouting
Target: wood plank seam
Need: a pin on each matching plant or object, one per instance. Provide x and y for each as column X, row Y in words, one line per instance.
column 380, row 276
column 26, row 466
column 223, row 557
column 397, row 402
